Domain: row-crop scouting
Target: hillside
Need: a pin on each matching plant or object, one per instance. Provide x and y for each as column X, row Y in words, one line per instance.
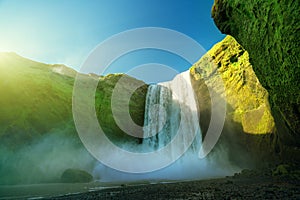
column 34, row 99
column 38, row 137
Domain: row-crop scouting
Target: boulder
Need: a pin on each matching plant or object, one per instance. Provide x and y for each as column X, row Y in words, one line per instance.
column 76, row 176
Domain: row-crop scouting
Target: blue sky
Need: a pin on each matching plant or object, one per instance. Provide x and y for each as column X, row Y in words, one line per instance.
column 66, row 31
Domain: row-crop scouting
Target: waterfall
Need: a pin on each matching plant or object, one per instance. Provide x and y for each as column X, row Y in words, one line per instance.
column 157, row 109
column 171, row 108
column 171, row 119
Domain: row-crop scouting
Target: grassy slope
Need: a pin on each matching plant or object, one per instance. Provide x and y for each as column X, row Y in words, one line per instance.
column 38, row 138
column 34, row 100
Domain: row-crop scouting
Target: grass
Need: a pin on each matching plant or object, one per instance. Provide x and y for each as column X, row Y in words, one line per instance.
column 35, row 100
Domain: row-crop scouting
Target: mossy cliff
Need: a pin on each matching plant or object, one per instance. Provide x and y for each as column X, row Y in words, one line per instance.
column 105, row 115
column 269, row 31
column 247, row 99
column 248, row 120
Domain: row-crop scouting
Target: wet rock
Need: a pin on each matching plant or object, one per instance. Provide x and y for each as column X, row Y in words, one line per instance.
column 76, row 176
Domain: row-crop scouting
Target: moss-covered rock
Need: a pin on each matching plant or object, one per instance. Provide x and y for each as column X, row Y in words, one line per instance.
column 282, row 169
column 269, row 31
column 249, row 126
column 107, row 120
column 247, row 100
column 76, row 176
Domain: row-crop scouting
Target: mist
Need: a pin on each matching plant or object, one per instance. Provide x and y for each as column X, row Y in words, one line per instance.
column 188, row 167
column 44, row 159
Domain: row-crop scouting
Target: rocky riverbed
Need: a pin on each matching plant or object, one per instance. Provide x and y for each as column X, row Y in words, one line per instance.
column 245, row 185
column 209, row 189
column 278, row 182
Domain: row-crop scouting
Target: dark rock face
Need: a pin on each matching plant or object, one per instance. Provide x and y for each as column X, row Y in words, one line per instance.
column 269, row 31
column 76, row 176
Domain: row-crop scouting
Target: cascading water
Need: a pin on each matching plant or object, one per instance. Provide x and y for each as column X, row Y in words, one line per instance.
column 157, row 109
column 171, row 109
column 171, row 118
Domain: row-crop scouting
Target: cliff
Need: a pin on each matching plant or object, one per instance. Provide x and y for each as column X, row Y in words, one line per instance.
column 269, row 31
column 249, row 124
column 247, row 99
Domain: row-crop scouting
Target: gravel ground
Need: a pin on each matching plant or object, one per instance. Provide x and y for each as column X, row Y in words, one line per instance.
column 226, row 188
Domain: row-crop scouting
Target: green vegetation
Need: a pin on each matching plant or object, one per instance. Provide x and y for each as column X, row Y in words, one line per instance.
column 34, row 100
column 269, row 31
column 103, row 105
column 249, row 125
column 38, row 138
column 247, row 100
column 76, row 176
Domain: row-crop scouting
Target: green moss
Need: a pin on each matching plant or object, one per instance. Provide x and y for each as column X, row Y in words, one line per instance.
column 76, row 176
column 103, row 106
column 244, row 94
column 281, row 170
column 269, row 31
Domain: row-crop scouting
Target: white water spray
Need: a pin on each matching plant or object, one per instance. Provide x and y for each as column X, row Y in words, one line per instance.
column 171, row 110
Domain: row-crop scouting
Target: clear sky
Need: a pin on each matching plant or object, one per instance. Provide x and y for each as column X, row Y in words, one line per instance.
column 65, row 31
